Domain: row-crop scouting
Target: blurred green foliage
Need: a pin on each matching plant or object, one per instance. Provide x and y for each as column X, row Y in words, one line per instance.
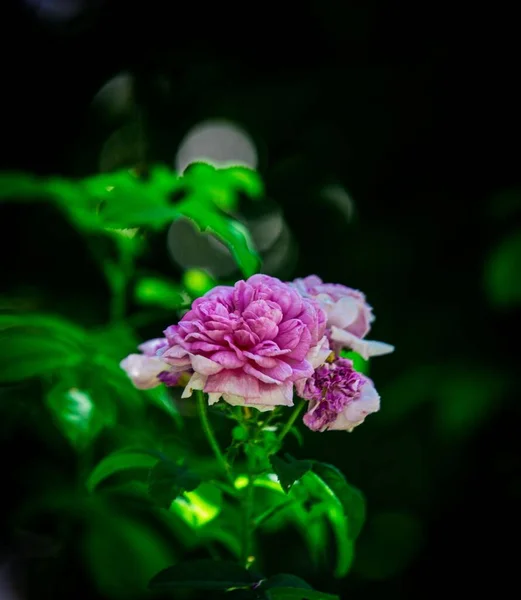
column 144, row 490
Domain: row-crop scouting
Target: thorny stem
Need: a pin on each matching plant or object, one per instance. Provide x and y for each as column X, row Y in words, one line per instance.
column 291, row 420
column 207, row 428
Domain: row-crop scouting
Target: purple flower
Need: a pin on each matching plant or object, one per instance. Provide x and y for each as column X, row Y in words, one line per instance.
column 148, row 370
column 349, row 317
column 249, row 343
column 339, row 397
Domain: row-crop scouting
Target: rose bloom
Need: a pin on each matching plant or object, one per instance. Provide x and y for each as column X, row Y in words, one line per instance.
column 349, row 317
column 249, row 343
column 339, row 397
column 148, row 370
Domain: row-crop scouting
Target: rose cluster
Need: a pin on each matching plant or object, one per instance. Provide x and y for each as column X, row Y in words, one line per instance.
column 254, row 343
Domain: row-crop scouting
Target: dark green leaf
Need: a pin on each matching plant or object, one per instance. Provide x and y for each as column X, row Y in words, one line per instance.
column 26, row 353
column 502, row 272
column 204, row 575
column 331, row 508
column 271, row 512
column 290, row 593
column 119, row 461
column 122, row 554
column 167, row 481
column 286, row 580
column 289, row 470
column 352, row 500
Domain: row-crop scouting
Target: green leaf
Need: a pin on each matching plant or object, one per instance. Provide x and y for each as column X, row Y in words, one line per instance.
column 25, row 353
column 155, row 291
column 245, row 180
column 167, row 481
column 334, row 511
column 360, row 364
column 286, row 580
column 204, row 575
column 120, row 461
column 289, row 470
column 502, row 272
column 232, row 233
column 291, row 593
column 77, row 416
column 271, row 512
column 351, row 498
column 239, row 433
column 122, row 554
column 199, row 507
column 198, row 282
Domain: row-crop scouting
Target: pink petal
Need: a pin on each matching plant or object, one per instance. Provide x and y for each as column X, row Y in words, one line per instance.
column 236, row 383
column 203, row 365
column 228, row 359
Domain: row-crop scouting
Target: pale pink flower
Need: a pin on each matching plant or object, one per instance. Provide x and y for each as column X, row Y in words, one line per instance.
column 249, row 343
column 148, row 370
column 349, row 316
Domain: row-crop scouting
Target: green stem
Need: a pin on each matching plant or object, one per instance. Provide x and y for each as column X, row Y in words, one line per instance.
column 247, row 524
column 291, row 420
column 207, row 428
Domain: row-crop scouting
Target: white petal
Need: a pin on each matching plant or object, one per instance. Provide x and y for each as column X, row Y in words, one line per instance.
column 318, row 354
column 343, row 312
column 197, row 382
column 366, row 348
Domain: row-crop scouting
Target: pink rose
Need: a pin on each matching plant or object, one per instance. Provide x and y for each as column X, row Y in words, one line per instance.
column 349, row 317
column 249, row 343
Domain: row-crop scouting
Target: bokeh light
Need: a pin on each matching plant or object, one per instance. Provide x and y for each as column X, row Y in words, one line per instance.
column 219, row 142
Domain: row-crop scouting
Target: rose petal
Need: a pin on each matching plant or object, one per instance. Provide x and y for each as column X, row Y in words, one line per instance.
column 366, row 348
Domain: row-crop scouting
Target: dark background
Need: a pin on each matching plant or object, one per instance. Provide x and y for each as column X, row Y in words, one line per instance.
column 414, row 109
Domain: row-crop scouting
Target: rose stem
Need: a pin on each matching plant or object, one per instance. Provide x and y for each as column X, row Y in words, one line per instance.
column 207, row 428
column 291, row 420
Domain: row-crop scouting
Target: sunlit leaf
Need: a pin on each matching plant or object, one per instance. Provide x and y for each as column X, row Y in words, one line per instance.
column 122, row 201
column 167, row 480
column 289, row 470
column 245, row 180
column 204, row 575
column 155, row 291
column 117, row 462
column 198, row 282
column 199, row 507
